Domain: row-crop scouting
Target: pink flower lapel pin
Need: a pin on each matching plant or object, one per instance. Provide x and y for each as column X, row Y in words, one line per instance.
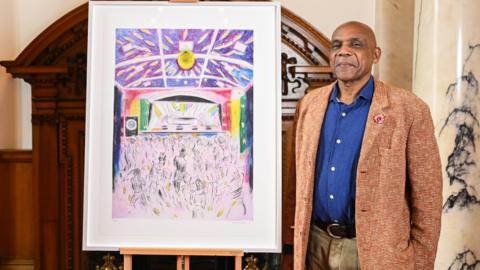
column 379, row 118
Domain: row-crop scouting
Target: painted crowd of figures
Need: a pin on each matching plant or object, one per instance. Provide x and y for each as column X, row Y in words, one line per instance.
column 191, row 176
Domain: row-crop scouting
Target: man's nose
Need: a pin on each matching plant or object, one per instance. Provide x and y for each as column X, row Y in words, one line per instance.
column 344, row 52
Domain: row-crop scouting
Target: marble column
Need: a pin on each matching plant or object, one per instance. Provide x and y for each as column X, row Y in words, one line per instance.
column 446, row 74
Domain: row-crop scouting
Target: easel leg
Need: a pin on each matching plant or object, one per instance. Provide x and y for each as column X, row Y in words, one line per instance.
column 127, row 262
column 238, row 262
column 179, row 263
column 183, row 262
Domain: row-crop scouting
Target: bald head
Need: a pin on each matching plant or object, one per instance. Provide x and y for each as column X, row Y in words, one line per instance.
column 354, row 51
column 359, row 28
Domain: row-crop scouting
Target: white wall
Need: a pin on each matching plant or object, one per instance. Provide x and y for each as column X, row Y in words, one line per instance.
column 31, row 17
column 7, row 96
column 326, row 15
column 22, row 20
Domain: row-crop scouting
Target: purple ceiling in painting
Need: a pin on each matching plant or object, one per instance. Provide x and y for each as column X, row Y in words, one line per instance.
column 177, row 58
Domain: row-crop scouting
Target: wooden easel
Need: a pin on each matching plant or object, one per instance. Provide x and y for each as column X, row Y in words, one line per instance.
column 183, row 255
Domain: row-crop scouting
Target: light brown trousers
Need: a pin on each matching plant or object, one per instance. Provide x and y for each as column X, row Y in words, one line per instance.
column 327, row 253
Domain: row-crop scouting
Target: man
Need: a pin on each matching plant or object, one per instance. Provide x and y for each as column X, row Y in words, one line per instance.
column 369, row 181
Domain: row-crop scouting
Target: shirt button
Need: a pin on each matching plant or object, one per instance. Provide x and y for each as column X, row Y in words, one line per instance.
column 331, row 196
column 339, row 141
column 332, row 168
column 344, row 114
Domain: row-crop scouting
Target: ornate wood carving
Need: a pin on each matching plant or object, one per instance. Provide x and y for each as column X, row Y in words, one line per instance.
column 304, row 60
column 55, row 65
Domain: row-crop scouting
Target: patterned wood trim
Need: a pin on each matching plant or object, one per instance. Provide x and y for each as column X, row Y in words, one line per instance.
column 72, row 244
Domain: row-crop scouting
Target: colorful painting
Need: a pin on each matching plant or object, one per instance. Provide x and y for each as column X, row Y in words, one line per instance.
column 183, row 124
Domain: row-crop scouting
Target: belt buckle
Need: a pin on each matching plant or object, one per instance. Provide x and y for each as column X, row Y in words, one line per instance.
column 329, row 227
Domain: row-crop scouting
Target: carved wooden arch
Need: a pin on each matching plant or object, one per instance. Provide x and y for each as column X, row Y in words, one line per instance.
column 314, row 46
column 54, row 64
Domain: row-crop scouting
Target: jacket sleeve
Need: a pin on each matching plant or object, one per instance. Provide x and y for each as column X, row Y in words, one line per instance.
column 425, row 180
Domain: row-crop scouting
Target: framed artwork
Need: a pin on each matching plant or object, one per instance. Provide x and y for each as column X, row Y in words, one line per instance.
column 183, row 143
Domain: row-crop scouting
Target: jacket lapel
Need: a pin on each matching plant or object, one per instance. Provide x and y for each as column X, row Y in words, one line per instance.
column 372, row 128
column 314, row 117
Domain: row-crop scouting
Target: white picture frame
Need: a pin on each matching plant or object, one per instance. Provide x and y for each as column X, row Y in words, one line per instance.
column 119, row 209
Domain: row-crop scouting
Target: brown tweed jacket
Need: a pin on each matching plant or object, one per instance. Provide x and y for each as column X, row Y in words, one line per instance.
column 398, row 186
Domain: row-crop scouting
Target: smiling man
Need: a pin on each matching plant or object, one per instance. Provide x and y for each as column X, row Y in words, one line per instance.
column 369, row 181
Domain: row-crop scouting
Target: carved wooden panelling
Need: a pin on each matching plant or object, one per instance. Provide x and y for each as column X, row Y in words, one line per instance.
column 17, row 206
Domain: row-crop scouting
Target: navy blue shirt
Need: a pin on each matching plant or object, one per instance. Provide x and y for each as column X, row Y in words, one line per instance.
column 337, row 157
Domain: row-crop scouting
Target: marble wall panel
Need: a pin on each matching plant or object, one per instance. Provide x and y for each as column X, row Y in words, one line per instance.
column 446, row 74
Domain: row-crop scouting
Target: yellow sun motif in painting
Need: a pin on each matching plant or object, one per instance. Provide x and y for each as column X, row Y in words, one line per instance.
column 186, row 59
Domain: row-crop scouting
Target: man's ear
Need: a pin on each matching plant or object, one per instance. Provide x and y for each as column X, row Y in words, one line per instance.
column 376, row 55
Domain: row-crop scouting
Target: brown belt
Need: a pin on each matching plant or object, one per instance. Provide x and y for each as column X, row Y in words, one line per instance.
column 336, row 230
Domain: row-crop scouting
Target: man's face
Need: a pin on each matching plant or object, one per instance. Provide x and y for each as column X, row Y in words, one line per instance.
column 353, row 52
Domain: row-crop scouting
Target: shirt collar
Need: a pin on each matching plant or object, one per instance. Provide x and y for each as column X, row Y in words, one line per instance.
column 365, row 93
